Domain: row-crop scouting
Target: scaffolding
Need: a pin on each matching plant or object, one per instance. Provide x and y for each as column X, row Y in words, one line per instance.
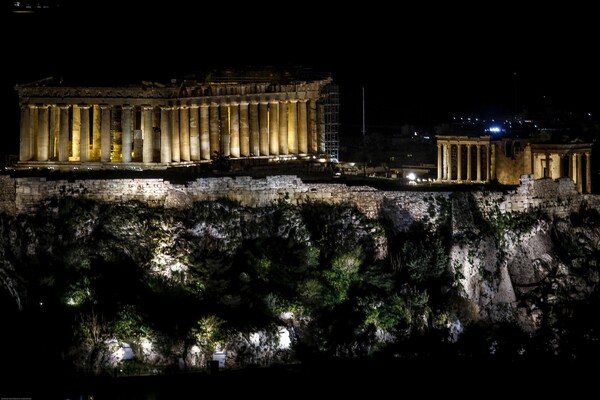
column 331, row 121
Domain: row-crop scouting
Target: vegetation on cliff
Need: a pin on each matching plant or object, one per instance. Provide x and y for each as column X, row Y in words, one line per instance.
column 93, row 287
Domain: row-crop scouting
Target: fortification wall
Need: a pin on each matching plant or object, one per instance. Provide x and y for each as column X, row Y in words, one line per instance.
column 7, row 194
column 557, row 197
column 26, row 195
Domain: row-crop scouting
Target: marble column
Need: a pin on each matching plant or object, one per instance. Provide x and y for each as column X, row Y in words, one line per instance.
column 204, row 132
column 175, row 138
column 263, row 130
column 138, row 147
column 559, row 158
column 487, row 162
column 244, row 129
column 116, row 133
column 293, row 127
column 63, row 139
column 492, row 169
column 215, row 129
column 254, row 129
column 184, row 132
column 302, row 127
column 147, row 134
column 478, row 162
column 84, row 137
column 26, row 140
column 458, row 162
column 225, row 140
column 76, row 134
column 156, row 134
column 165, row 135
column 41, row 118
column 283, row 127
column 439, row 162
column 449, row 161
column 274, row 127
column 63, row 136
column 588, row 172
column 126, row 133
column 579, row 174
column 105, row 139
column 54, row 132
column 96, row 134
column 469, row 167
column 314, row 143
column 234, row 129
column 194, row 133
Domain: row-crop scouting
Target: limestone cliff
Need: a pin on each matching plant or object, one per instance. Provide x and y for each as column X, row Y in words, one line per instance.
column 259, row 271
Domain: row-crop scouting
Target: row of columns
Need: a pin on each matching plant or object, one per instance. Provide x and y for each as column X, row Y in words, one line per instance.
column 446, row 167
column 542, row 161
column 575, row 164
column 168, row 134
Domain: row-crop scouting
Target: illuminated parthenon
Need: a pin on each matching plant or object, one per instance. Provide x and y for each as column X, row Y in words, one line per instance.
column 484, row 159
column 155, row 125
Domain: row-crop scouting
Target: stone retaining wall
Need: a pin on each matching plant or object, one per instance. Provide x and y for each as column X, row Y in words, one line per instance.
column 25, row 195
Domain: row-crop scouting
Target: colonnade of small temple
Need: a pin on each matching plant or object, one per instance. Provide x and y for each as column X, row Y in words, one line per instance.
column 479, row 156
column 465, row 159
column 571, row 160
column 161, row 124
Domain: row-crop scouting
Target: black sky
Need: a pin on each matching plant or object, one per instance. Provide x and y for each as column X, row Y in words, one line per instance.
column 416, row 63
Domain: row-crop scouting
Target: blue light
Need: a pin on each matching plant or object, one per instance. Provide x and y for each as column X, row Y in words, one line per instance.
column 495, row 130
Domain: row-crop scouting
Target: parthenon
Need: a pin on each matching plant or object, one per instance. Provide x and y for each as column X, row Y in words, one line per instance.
column 154, row 125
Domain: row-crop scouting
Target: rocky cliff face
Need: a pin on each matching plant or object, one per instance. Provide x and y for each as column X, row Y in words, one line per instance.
column 105, row 285
column 525, row 268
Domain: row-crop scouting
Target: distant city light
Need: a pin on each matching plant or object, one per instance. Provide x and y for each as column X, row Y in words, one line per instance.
column 495, row 129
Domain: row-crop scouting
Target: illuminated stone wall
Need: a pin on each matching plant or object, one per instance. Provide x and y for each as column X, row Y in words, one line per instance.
column 509, row 169
column 7, row 194
column 25, row 195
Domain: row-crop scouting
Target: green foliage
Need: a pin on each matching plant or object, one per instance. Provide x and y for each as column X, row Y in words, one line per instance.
column 389, row 314
column 311, row 291
column 418, row 307
column 136, row 367
column 514, row 222
column 128, row 324
column 78, row 293
column 425, row 261
column 92, row 325
column 217, row 270
column 77, row 258
column 333, row 224
column 343, row 273
column 208, row 332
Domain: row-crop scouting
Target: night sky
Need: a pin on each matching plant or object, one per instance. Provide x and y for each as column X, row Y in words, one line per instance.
column 418, row 64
